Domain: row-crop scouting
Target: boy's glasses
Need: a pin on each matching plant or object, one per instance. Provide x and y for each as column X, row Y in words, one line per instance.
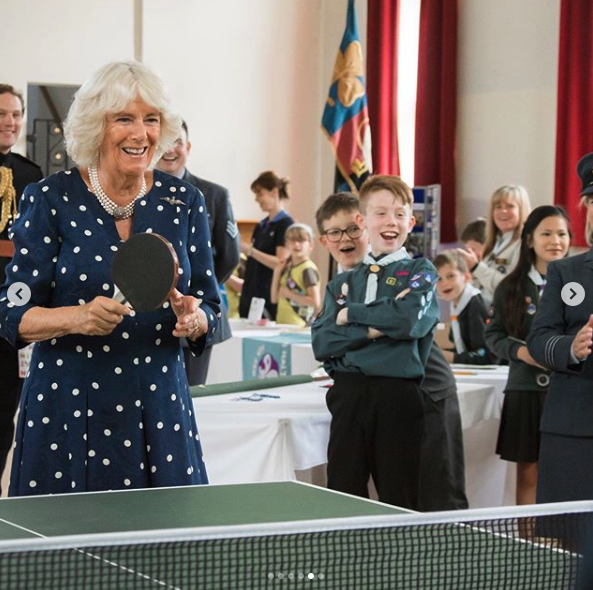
column 335, row 235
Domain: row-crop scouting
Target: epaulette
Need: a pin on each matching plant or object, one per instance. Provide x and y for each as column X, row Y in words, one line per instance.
column 25, row 160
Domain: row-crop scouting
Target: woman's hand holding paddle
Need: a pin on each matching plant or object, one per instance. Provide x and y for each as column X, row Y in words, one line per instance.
column 100, row 316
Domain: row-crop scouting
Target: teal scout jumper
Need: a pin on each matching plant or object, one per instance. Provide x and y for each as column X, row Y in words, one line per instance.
column 407, row 323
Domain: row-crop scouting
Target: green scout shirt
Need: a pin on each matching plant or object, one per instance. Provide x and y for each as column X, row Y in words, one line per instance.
column 407, row 323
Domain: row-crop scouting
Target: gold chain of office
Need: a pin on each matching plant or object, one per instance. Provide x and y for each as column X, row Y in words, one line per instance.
column 8, row 207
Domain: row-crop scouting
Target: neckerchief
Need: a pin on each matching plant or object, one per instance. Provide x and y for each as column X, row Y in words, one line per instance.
column 537, row 279
column 456, row 310
column 502, row 243
column 374, row 268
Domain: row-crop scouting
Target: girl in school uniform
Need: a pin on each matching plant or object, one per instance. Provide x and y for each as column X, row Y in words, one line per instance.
column 545, row 238
column 508, row 210
column 295, row 283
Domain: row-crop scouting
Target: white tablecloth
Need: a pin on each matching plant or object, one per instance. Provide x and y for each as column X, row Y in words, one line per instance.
column 269, row 440
column 492, row 375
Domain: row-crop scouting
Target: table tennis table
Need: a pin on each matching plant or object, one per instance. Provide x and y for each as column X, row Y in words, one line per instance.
column 259, row 536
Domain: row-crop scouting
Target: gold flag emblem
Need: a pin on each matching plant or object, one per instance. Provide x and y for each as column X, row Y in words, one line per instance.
column 346, row 71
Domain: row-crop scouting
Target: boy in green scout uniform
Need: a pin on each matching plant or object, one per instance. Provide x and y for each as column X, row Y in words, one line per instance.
column 442, row 472
column 374, row 334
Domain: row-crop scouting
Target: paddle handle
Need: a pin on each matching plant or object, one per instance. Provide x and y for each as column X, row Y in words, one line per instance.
column 120, row 297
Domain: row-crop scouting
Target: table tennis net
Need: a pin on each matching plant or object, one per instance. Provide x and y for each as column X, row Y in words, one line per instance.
column 540, row 548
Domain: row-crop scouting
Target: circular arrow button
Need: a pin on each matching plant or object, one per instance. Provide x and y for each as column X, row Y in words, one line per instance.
column 19, row 294
column 573, row 294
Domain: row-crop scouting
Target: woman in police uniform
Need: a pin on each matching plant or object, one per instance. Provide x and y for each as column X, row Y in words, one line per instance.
column 545, row 238
column 561, row 340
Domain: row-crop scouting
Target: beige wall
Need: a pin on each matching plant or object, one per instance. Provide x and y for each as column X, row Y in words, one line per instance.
column 508, row 54
column 62, row 41
column 245, row 76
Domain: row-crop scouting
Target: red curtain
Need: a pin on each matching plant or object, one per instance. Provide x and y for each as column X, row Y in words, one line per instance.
column 382, row 51
column 574, row 120
column 436, row 106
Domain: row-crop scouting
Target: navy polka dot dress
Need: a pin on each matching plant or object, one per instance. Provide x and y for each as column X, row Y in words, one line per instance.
column 113, row 412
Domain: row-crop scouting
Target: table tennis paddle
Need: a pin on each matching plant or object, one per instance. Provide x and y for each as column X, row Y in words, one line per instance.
column 144, row 270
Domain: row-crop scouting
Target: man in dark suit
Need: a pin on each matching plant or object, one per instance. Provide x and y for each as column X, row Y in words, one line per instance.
column 224, row 235
column 16, row 172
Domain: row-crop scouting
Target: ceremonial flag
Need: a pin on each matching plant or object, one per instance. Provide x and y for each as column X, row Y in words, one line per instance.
column 345, row 117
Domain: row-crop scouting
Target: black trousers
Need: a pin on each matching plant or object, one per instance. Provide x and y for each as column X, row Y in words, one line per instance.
column 377, row 429
column 10, row 390
column 442, row 474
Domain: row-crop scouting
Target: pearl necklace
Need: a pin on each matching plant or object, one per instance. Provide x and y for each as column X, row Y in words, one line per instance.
column 107, row 204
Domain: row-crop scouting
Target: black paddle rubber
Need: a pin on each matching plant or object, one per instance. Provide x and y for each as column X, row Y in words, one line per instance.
column 145, row 271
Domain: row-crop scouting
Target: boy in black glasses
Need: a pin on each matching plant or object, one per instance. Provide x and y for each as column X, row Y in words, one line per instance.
column 442, row 481
column 339, row 223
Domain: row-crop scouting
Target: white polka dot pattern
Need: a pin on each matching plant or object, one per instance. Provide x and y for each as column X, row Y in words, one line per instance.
column 105, row 412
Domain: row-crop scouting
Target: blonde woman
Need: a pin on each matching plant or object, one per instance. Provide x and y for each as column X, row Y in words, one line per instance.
column 508, row 210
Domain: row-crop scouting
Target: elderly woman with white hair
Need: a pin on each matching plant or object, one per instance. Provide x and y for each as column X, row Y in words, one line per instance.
column 106, row 403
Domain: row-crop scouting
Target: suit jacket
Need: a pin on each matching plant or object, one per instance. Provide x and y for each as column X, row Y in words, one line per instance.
column 569, row 405
column 225, row 239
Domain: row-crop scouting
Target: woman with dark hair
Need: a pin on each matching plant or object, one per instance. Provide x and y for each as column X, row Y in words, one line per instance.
column 545, row 238
column 267, row 249
column 561, row 339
